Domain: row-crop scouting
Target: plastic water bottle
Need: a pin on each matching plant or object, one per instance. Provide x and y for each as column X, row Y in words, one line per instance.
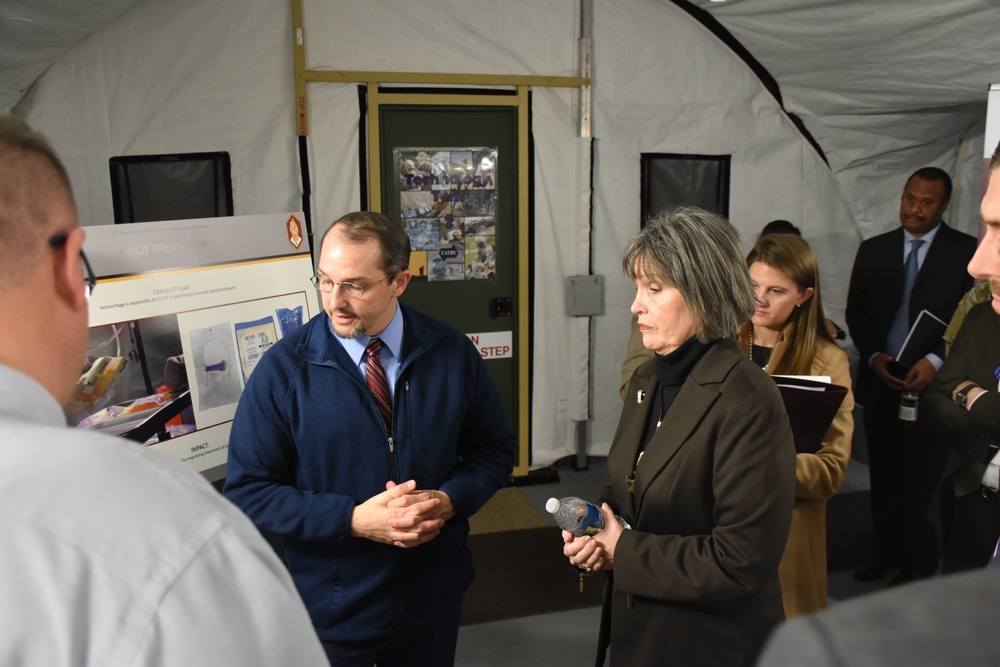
column 908, row 408
column 576, row 516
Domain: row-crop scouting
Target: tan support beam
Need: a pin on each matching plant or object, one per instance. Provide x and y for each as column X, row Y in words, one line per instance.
column 426, row 78
column 299, row 59
column 374, row 149
column 304, row 76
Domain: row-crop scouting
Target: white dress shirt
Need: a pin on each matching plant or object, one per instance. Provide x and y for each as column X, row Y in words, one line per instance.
column 116, row 555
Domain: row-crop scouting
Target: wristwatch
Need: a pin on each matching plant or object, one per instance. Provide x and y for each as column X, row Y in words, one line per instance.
column 962, row 397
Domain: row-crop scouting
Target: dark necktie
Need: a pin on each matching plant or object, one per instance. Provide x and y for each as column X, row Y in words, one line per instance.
column 378, row 383
column 901, row 324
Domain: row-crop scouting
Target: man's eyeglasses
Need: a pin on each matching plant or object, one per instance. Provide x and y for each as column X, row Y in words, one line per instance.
column 59, row 241
column 350, row 290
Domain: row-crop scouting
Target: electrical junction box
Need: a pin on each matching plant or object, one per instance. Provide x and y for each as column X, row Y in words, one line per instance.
column 584, row 296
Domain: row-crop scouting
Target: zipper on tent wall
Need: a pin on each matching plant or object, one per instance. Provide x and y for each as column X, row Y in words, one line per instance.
column 585, row 54
column 306, row 186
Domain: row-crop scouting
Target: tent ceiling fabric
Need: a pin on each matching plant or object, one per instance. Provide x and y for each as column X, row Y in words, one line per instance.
column 831, row 58
column 886, row 74
column 881, row 87
column 35, row 33
column 848, row 57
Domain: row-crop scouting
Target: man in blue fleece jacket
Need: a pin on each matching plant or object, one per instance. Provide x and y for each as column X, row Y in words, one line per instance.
column 372, row 509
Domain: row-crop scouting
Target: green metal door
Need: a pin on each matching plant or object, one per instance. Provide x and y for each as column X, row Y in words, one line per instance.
column 449, row 174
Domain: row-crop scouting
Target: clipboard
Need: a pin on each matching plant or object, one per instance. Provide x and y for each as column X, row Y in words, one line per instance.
column 926, row 332
column 811, row 406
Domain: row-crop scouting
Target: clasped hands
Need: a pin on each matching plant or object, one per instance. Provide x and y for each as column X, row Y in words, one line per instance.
column 401, row 515
column 917, row 379
column 594, row 552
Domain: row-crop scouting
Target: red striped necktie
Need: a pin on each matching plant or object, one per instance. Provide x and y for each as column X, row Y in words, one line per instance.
column 378, row 383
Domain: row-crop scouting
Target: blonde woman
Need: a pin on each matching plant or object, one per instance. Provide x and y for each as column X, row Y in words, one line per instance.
column 786, row 336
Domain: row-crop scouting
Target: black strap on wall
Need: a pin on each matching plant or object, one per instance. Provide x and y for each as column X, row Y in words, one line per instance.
column 306, row 185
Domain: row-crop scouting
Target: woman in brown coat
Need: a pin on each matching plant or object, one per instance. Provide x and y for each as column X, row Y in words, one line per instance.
column 787, row 336
column 702, row 466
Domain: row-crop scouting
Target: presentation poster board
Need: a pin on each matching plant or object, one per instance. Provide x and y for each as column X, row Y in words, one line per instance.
column 182, row 312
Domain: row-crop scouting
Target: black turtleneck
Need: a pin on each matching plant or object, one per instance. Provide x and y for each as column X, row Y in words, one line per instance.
column 671, row 371
column 761, row 355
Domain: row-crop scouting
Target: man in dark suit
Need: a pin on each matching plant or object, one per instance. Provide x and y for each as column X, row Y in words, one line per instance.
column 903, row 465
column 962, row 409
column 950, row 620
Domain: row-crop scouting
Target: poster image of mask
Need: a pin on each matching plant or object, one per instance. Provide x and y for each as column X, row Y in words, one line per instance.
column 477, row 203
column 414, row 169
column 215, row 366
column 416, row 204
column 484, row 162
column 480, row 226
column 480, row 258
column 289, row 319
column 425, row 234
column 448, row 262
column 254, row 339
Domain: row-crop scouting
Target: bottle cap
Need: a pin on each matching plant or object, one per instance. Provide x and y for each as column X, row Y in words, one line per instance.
column 552, row 505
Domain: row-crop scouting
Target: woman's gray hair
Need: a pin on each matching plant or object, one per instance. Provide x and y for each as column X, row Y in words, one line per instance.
column 699, row 253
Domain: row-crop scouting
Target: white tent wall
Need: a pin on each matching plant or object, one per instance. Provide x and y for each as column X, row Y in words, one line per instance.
column 173, row 77
column 884, row 92
column 194, row 76
column 664, row 84
column 874, row 177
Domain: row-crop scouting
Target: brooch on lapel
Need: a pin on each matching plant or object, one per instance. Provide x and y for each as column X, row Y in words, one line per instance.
column 639, row 396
